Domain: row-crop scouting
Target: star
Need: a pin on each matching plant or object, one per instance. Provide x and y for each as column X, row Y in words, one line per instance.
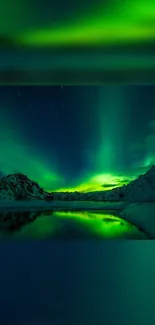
column 30, row 104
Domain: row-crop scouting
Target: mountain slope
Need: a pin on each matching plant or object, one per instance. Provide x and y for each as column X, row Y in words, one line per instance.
column 20, row 187
column 141, row 189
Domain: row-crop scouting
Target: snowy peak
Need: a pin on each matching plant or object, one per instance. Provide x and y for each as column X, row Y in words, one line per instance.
column 20, row 187
column 141, row 189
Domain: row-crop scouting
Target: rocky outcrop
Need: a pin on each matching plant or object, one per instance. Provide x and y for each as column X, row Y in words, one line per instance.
column 18, row 187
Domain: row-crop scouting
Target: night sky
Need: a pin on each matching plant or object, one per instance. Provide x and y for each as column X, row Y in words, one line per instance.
column 83, row 131
column 77, row 138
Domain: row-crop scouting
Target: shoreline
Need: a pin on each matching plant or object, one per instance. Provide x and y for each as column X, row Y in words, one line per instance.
column 62, row 205
column 141, row 215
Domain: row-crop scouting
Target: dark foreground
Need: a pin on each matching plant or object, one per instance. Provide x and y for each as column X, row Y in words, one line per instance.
column 67, row 282
column 77, row 282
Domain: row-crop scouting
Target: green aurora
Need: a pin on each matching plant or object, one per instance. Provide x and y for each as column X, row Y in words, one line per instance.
column 75, row 42
column 102, row 154
column 114, row 22
column 128, row 24
column 17, row 156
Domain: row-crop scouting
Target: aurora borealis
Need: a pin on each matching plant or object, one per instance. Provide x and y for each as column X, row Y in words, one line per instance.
column 77, row 23
column 65, row 137
column 77, row 138
column 76, row 42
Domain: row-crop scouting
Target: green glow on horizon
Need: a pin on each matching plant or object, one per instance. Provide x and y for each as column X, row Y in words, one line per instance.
column 98, row 182
column 18, row 156
column 116, row 24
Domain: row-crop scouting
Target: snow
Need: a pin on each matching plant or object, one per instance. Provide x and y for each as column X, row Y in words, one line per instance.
column 135, row 201
column 62, row 205
column 141, row 215
column 20, row 187
column 141, row 189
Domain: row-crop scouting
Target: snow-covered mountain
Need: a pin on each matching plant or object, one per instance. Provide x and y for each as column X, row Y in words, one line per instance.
column 20, row 187
column 141, row 189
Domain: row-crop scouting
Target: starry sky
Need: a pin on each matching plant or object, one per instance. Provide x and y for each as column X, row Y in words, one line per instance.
column 77, row 137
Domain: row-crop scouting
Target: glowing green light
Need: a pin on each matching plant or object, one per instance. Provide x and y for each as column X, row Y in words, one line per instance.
column 98, row 182
column 17, row 156
column 98, row 224
column 101, row 224
column 89, row 35
column 119, row 24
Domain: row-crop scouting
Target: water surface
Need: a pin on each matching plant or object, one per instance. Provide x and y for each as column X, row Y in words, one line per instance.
column 68, row 225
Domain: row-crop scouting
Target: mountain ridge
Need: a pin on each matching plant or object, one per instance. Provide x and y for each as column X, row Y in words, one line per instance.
column 19, row 187
column 142, row 189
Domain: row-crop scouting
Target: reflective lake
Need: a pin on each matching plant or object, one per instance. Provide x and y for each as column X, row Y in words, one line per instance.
column 67, row 282
column 67, row 225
